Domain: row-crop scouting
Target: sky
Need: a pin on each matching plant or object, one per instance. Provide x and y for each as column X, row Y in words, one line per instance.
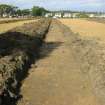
column 75, row 5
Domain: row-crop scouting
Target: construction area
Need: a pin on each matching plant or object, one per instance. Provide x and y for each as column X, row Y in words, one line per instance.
column 52, row 62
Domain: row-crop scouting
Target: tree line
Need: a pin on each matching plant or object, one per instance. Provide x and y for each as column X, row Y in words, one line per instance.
column 13, row 11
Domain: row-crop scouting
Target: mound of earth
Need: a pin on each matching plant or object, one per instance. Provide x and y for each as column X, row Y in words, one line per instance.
column 18, row 49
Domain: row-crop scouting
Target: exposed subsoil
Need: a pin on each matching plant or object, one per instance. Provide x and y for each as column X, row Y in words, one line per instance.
column 70, row 71
column 18, row 50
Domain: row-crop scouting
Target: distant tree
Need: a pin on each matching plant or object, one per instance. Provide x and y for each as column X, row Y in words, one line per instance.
column 13, row 10
column 19, row 12
column 38, row 11
column 7, row 9
column 25, row 12
column 10, row 10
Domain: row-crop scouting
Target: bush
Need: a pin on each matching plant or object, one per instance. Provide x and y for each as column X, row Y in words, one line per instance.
column 82, row 15
column 38, row 11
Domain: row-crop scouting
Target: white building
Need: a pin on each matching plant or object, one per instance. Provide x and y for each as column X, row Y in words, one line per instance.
column 57, row 15
column 48, row 14
column 96, row 15
column 67, row 15
column 6, row 15
column 74, row 15
column 100, row 16
column 91, row 15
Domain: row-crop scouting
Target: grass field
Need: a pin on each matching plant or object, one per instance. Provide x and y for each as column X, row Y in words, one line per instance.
column 7, row 26
column 11, row 20
column 86, row 28
column 5, row 19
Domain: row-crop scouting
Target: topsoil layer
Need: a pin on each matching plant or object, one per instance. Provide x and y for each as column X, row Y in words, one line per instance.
column 18, row 49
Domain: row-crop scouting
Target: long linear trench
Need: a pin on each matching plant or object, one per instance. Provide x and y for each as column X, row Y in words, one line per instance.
column 56, row 78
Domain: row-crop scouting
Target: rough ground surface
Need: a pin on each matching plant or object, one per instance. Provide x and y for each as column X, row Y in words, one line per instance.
column 61, row 76
column 7, row 26
column 18, row 50
column 91, row 51
column 91, row 29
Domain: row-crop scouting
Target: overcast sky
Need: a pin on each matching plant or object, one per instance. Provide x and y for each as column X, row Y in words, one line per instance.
column 80, row 5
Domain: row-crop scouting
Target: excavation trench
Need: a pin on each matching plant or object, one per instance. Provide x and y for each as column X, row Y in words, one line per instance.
column 18, row 50
column 61, row 76
column 69, row 69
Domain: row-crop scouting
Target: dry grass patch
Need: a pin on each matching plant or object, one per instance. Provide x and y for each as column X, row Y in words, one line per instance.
column 7, row 26
column 86, row 28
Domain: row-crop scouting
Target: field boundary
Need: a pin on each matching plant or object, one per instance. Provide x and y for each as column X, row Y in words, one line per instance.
column 15, row 20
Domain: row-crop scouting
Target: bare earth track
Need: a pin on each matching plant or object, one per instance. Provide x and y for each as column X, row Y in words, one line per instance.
column 66, row 73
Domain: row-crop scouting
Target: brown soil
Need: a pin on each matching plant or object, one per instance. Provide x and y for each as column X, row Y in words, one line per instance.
column 60, row 76
column 18, row 50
